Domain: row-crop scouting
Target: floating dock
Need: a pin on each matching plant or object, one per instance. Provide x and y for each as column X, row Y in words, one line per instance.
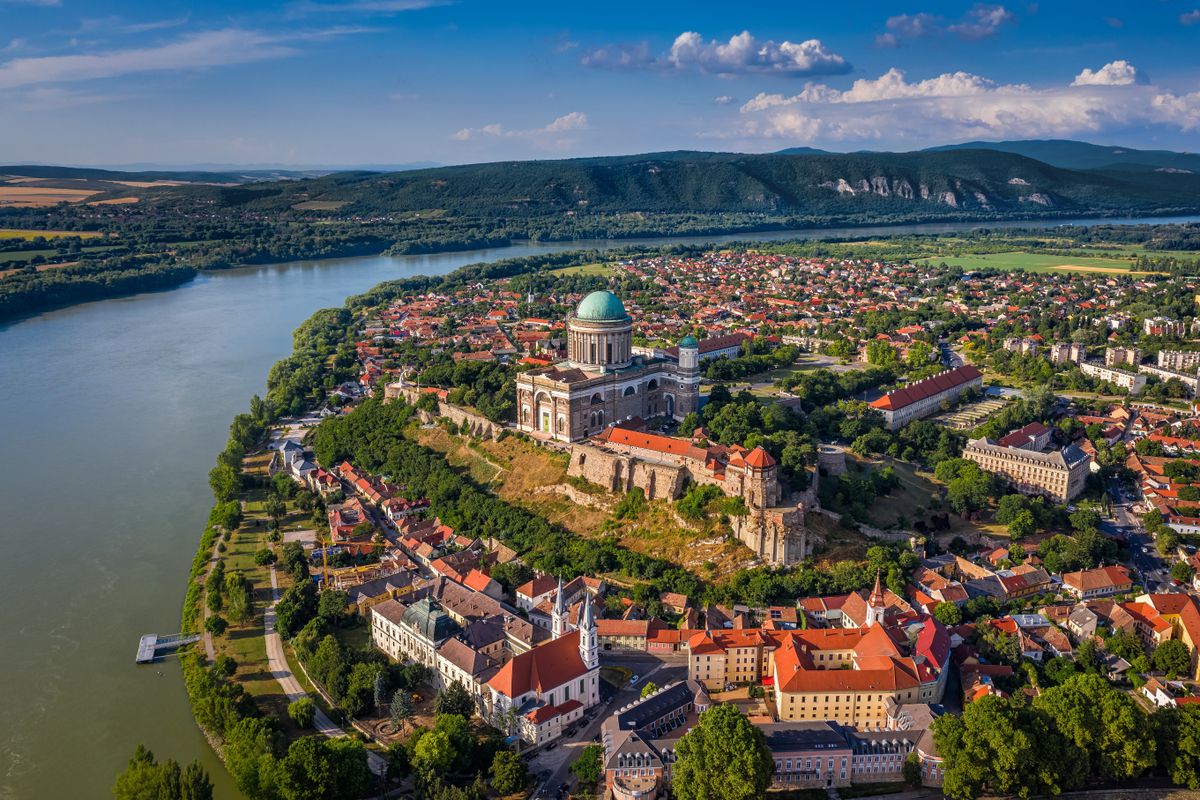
column 152, row 645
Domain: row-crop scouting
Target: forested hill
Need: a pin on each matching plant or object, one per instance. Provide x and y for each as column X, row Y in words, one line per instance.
column 974, row 183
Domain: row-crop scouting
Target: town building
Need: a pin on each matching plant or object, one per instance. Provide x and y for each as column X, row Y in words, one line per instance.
column 924, row 398
column 1062, row 353
column 728, row 346
column 1163, row 326
column 1131, row 382
column 1098, row 582
column 1122, row 356
column 1180, row 360
column 1035, row 436
column 1058, row 475
column 1189, row 379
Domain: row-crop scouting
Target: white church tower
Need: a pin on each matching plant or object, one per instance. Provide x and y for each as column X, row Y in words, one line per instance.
column 876, row 603
column 558, row 618
column 589, row 644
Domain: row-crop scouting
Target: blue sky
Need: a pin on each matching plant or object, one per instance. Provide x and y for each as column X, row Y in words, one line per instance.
column 329, row 82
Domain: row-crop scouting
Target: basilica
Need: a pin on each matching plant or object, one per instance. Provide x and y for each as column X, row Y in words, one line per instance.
column 603, row 382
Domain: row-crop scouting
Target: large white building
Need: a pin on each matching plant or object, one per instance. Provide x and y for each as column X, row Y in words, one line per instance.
column 924, row 398
column 603, row 381
column 1188, row 379
column 1131, row 382
column 533, row 693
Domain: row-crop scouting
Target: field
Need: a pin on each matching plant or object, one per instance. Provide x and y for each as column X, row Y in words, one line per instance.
column 584, row 269
column 35, row 196
column 1038, row 262
column 14, row 233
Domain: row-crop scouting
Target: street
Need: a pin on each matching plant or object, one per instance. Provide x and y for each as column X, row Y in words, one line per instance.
column 555, row 762
column 1153, row 572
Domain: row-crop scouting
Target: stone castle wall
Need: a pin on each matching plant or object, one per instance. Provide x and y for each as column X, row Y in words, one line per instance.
column 619, row 472
column 470, row 422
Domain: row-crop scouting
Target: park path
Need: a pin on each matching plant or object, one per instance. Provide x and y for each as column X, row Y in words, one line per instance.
column 282, row 673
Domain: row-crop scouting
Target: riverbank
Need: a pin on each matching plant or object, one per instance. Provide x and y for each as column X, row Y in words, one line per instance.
column 79, row 284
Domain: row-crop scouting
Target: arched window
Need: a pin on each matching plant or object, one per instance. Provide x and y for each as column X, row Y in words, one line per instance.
column 652, row 385
column 562, row 424
column 597, row 399
column 629, row 391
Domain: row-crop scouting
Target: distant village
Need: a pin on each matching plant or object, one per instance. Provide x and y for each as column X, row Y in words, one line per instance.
column 845, row 688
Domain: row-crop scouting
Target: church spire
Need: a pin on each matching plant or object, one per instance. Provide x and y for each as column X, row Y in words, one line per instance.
column 876, row 603
column 558, row 619
column 589, row 649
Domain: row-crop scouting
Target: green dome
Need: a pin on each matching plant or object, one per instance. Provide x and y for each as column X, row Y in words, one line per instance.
column 601, row 306
column 689, row 341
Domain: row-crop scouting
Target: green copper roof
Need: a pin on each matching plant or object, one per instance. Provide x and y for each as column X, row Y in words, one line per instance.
column 600, row 306
column 689, row 341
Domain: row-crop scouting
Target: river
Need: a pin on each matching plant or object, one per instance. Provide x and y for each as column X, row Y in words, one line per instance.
column 113, row 413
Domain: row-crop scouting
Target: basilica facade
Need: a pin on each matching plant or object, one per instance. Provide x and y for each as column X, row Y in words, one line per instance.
column 603, row 382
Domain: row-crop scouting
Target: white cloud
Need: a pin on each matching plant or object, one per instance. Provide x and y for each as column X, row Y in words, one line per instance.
column 743, row 54
column 980, row 22
column 1190, row 17
column 55, row 98
column 366, row 6
column 724, row 99
column 1114, row 73
column 567, row 123
column 194, row 51
column 960, row 105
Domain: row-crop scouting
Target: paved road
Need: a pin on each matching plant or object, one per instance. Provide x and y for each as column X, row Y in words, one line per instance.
column 292, row 688
column 661, row 671
column 1154, row 573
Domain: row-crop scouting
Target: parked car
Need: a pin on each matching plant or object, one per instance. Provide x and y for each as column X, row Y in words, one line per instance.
column 633, row 681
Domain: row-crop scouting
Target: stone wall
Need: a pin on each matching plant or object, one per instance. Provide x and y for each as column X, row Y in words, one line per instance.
column 470, row 422
column 618, row 472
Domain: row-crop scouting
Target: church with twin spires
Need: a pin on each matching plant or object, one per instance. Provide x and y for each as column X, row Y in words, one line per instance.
column 603, row 382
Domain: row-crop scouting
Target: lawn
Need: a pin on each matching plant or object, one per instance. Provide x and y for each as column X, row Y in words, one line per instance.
column 15, row 233
column 1037, row 262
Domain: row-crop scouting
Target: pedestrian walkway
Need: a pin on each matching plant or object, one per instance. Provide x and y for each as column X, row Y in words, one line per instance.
column 282, row 672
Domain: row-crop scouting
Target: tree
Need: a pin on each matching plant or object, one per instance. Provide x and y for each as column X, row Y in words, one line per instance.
column 1182, row 572
column 401, row 711
column 215, row 624
column 302, row 712
column 146, row 779
column 587, row 767
column 1022, row 525
column 433, row 753
column 723, row 756
column 316, row 766
column 264, row 557
column 225, row 481
column 508, row 772
column 225, row 665
column 948, row 614
column 331, row 605
column 912, row 770
column 649, row 688
column 1180, row 736
column 1125, row 644
column 1173, row 658
column 1106, row 725
column 1001, row 746
column 455, row 699
column 239, row 600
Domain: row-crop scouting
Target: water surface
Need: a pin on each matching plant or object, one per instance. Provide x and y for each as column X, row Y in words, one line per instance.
column 111, row 414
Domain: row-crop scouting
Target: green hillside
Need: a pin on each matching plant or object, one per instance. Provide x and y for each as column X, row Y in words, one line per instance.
column 976, row 183
column 1083, row 155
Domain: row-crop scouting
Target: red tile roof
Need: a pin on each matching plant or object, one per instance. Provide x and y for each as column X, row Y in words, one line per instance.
column 541, row 669
column 914, row 392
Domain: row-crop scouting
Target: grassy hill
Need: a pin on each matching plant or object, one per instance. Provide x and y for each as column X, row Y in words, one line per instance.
column 923, row 184
column 1083, row 155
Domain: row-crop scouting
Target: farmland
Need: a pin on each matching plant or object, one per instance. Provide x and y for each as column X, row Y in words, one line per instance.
column 1037, row 262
